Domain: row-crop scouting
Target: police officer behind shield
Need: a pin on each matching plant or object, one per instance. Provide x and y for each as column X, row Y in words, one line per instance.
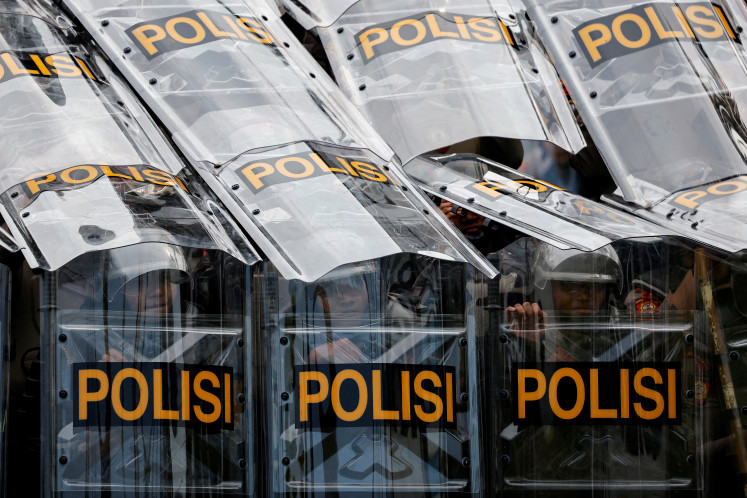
column 142, row 287
column 142, row 309
column 575, row 286
column 347, row 302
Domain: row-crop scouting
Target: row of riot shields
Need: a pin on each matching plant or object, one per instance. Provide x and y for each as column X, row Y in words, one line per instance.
column 649, row 88
column 293, row 161
column 371, row 351
column 170, row 371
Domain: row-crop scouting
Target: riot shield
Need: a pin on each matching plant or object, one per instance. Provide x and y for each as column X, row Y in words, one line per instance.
column 370, row 380
column 567, row 422
column 661, row 87
column 606, row 378
column 428, row 77
column 248, row 106
column 314, row 13
column 33, row 8
column 146, row 389
column 5, row 307
column 511, row 198
column 721, row 283
column 84, row 167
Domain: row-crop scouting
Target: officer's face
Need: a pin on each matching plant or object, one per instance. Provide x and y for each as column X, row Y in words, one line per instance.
column 466, row 221
column 152, row 293
column 347, row 302
column 578, row 298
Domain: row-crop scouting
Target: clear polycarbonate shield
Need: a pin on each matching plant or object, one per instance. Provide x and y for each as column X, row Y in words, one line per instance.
column 224, row 77
column 146, row 388
column 322, row 206
column 84, row 167
column 661, row 97
column 712, row 214
column 429, row 76
column 314, row 13
column 613, row 413
column 600, row 372
column 371, row 385
column 524, row 203
column 659, row 85
column 5, row 307
column 34, row 8
column 242, row 100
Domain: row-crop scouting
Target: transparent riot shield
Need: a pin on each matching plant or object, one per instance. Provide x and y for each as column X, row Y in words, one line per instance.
column 34, row 8
column 225, row 77
column 721, row 283
column 322, row 206
column 429, row 76
column 602, row 375
column 83, row 166
column 370, row 380
column 146, row 388
column 662, row 88
column 247, row 106
column 606, row 407
column 522, row 202
column 314, row 13
column 5, row 307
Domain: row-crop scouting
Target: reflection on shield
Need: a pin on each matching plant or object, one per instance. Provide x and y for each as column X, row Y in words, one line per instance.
column 611, row 403
column 382, row 401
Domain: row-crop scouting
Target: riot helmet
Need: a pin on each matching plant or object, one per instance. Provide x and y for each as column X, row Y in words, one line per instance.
column 342, row 298
column 144, row 278
column 574, row 282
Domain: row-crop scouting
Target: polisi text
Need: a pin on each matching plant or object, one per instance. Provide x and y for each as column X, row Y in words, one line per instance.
column 262, row 174
column 119, row 394
column 16, row 64
column 427, row 27
column 531, row 189
column 651, row 24
column 360, row 395
column 195, row 27
column 607, row 393
column 83, row 175
column 693, row 198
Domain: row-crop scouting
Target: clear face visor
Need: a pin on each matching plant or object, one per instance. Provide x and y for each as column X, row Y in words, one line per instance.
column 342, row 302
column 578, row 288
column 153, row 291
column 575, row 279
column 579, row 297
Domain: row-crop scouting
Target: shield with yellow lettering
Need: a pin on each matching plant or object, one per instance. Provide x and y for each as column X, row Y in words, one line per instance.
column 601, row 372
column 661, row 87
column 504, row 197
column 430, row 77
column 371, row 381
column 271, row 134
column 147, row 389
column 83, row 166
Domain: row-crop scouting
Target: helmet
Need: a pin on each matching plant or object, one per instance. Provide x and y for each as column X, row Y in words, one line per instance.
column 595, row 268
column 572, row 265
column 128, row 263
column 343, row 297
